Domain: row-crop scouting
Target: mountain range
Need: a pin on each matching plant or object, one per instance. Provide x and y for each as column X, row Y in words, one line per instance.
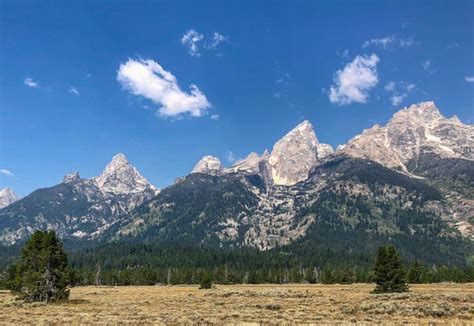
column 410, row 180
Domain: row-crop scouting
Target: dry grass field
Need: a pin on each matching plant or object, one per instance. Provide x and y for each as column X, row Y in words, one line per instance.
column 242, row 304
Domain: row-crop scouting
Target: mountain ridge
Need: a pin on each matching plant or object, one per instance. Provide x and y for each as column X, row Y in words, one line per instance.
column 393, row 179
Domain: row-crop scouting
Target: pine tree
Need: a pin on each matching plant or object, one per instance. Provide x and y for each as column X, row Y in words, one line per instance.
column 43, row 273
column 389, row 274
column 415, row 273
column 206, row 281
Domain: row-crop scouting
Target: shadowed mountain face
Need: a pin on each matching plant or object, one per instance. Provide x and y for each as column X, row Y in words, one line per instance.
column 409, row 182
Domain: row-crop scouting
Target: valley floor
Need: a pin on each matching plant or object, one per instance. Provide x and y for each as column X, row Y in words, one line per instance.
column 288, row 304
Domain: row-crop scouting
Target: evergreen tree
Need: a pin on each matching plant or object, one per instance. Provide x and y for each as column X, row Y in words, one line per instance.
column 206, row 281
column 415, row 273
column 389, row 274
column 43, row 273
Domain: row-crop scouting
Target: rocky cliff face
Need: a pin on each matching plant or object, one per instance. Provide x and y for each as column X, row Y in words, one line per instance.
column 414, row 130
column 294, row 155
column 7, row 197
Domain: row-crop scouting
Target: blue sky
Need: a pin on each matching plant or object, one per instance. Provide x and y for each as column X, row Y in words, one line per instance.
column 83, row 80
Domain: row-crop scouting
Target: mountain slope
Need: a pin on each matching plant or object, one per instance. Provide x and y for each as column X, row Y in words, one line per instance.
column 81, row 208
column 238, row 210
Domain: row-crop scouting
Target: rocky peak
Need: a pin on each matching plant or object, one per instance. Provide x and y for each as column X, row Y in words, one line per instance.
column 208, row 164
column 7, row 197
column 71, row 177
column 295, row 154
column 249, row 164
column 120, row 177
column 420, row 127
column 424, row 112
column 324, row 150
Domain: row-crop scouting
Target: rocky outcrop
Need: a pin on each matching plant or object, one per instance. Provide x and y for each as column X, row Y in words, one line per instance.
column 7, row 197
column 208, row 164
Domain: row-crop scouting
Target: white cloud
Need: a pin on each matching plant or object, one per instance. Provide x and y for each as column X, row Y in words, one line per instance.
column 190, row 40
column 469, row 79
column 352, row 84
column 148, row 79
column 6, row 172
column 384, row 42
column 399, row 91
column 73, row 90
column 31, row 83
column 215, row 117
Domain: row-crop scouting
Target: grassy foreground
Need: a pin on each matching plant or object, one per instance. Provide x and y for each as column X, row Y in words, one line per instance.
column 290, row 304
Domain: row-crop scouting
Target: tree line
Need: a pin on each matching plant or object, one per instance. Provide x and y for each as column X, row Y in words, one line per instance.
column 45, row 272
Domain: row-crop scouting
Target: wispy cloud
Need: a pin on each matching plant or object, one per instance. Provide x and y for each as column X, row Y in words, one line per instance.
column 353, row 83
column 6, row 172
column 195, row 41
column 217, row 38
column 31, row 83
column 344, row 54
column 405, row 43
column 148, row 79
column 398, row 91
column 383, row 42
column 469, row 79
column 191, row 40
column 387, row 41
column 73, row 90
column 214, row 116
column 231, row 158
column 426, row 64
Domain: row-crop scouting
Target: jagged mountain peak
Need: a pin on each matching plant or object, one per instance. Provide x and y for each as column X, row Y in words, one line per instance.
column 72, row 177
column 208, row 164
column 295, row 154
column 250, row 164
column 304, row 129
column 422, row 112
column 121, row 177
column 7, row 197
column 418, row 128
column 118, row 160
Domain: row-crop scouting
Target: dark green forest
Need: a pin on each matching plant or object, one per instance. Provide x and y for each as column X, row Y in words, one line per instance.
column 304, row 261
